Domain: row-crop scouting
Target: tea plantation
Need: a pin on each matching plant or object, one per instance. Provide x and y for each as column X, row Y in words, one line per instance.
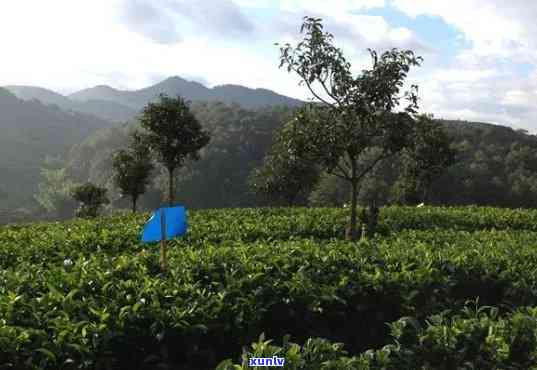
column 437, row 288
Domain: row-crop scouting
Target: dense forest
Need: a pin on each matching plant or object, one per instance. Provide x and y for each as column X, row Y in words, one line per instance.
column 495, row 165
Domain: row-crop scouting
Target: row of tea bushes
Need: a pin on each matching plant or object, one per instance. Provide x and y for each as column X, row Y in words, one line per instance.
column 326, row 223
column 81, row 308
column 474, row 339
column 120, row 233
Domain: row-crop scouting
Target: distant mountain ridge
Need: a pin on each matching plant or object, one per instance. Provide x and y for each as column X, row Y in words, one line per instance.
column 122, row 105
column 101, row 108
column 191, row 90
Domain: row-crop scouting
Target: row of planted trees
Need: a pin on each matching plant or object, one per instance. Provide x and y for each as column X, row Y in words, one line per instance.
column 351, row 126
column 170, row 134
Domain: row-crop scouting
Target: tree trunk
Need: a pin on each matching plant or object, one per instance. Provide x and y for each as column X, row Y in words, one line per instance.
column 426, row 189
column 425, row 195
column 354, row 201
column 171, row 187
column 134, row 199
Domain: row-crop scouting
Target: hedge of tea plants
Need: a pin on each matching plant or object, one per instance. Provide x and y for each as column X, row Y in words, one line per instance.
column 473, row 339
column 86, row 294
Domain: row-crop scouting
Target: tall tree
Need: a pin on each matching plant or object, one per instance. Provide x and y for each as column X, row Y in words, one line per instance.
column 133, row 168
column 174, row 134
column 352, row 117
column 91, row 199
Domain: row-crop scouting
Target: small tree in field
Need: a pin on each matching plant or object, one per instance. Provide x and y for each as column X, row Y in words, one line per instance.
column 133, row 169
column 353, row 118
column 91, row 197
column 173, row 134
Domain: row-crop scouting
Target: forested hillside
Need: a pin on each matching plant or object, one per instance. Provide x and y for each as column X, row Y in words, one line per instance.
column 496, row 165
column 239, row 140
column 38, row 124
column 31, row 131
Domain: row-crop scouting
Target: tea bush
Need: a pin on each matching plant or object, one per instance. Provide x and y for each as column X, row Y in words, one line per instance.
column 85, row 294
column 473, row 339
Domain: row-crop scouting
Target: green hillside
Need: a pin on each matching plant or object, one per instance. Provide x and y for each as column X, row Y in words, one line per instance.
column 496, row 165
column 239, row 140
column 31, row 131
column 437, row 288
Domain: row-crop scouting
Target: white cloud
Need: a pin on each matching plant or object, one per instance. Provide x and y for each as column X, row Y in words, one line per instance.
column 67, row 45
column 519, row 98
column 455, row 75
column 487, row 80
column 323, row 7
column 494, row 27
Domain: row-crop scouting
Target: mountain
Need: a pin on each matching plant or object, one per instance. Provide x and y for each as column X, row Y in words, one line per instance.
column 252, row 98
column 116, row 105
column 102, row 108
column 194, row 91
column 45, row 96
column 101, row 92
column 174, row 86
column 31, row 131
column 106, row 109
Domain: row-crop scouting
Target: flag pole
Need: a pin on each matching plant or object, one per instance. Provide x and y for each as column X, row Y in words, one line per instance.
column 163, row 260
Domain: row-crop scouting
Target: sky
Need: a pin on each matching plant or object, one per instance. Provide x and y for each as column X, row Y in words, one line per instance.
column 480, row 56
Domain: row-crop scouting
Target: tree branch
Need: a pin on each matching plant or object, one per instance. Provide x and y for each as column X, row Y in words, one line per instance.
column 345, row 159
column 340, row 176
column 317, row 96
column 329, row 93
column 344, row 173
column 370, row 167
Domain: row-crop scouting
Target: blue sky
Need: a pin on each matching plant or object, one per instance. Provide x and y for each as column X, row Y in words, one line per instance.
column 480, row 56
column 442, row 37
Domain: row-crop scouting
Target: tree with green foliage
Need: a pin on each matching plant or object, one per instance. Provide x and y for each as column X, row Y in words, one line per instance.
column 351, row 117
column 133, row 168
column 91, row 199
column 173, row 134
column 284, row 177
column 428, row 156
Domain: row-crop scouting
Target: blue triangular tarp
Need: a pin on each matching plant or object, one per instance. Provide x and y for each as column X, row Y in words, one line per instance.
column 175, row 220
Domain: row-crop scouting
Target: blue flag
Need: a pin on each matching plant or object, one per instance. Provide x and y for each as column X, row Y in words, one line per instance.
column 172, row 220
